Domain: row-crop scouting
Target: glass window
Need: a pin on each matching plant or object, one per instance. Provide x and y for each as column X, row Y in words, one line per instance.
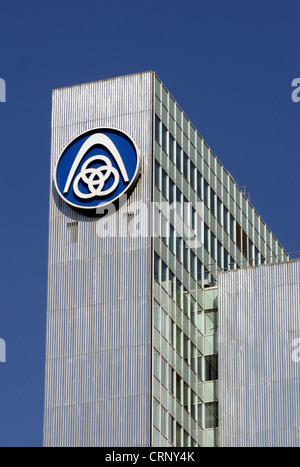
column 157, row 216
column 199, row 270
column 226, row 259
column 179, row 200
column 212, row 201
column 193, row 175
column 193, row 357
column 206, row 233
column 164, row 274
column 185, row 166
column 178, row 387
column 178, row 157
column 171, row 148
column 211, row 415
column 219, row 210
column 178, row 434
column 171, row 379
column 178, row 293
column 200, row 414
column 164, row 138
column 185, row 256
column 164, row 325
column 206, row 189
column 156, row 413
column 186, row 396
column 171, row 287
column 171, row 429
column 212, row 245
column 199, row 366
column 164, row 228
column 171, row 331
column 239, row 236
column 171, row 191
column 156, row 366
column 156, row 267
column 164, row 184
column 245, row 244
column 193, row 265
column 157, row 129
column 186, row 210
column 256, row 252
column 219, row 254
column 225, row 219
column 179, row 248
column 193, row 309
column 156, row 174
column 199, row 190
column 156, row 313
column 194, row 220
column 164, row 369
column 232, row 223
column 163, row 421
column 250, row 251
column 186, row 305
column 172, row 238
column 185, row 348
column 211, row 367
column 210, row 322
column 178, row 340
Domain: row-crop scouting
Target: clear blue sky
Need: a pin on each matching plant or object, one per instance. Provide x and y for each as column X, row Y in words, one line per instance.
column 229, row 64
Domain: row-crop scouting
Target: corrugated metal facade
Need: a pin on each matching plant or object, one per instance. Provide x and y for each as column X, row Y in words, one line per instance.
column 98, row 355
column 259, row 379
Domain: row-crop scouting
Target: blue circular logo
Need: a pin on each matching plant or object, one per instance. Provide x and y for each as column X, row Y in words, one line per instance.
column 96, row 168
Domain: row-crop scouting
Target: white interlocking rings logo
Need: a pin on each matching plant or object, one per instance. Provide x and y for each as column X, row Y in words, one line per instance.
column 95, row 178
column 96, row 168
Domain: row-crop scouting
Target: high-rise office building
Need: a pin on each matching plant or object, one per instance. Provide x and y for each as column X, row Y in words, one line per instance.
column 132, row 318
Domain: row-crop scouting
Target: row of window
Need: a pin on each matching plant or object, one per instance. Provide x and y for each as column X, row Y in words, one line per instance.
column 168, row 187
column 217, row 251
column 173, row 286
column 173, row 431
column 193, row 176
column 208, row 155
column 183, row 254
column 217, row 208
column 189, row 171
column 206, row 321
column 205, row 367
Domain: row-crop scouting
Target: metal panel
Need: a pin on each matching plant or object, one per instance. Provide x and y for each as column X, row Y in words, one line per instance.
column 98, row 351
column 259, row 379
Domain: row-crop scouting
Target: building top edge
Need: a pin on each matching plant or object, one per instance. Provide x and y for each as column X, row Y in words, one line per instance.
column 281, row 263
column 105, row 79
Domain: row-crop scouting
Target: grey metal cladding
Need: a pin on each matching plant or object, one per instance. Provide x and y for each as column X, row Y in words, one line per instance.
column 98, row 349
column 259, row 380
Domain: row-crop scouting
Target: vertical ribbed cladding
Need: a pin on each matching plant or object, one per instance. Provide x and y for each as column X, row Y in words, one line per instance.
column 98, row 350
column 259, row 379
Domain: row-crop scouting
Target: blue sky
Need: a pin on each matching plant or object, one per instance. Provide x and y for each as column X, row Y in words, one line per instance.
column 229, row 64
